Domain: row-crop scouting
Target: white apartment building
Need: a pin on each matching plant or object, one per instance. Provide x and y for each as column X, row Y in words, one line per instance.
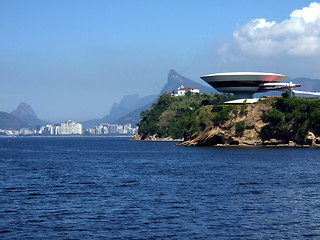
column 67, row 128
column 112, row 129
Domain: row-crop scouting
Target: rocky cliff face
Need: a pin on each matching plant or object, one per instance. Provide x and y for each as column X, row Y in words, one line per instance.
column 253, row 117
column 139, row 137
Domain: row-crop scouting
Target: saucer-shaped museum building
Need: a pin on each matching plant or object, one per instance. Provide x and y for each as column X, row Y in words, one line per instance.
column 244, row 84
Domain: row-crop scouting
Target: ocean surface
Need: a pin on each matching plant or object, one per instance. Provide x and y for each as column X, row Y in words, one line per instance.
column 113, row 188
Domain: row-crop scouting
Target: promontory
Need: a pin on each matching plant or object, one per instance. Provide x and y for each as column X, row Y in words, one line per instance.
column 203, row 120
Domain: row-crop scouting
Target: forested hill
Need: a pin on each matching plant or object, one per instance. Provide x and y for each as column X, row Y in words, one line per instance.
column 178, row 116
column 279, row 121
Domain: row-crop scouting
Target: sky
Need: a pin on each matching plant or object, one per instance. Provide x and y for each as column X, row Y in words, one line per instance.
column 73, row 59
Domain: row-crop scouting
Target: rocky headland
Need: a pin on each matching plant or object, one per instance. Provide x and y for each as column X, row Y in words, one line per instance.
column 273, row 122
column 254, row 118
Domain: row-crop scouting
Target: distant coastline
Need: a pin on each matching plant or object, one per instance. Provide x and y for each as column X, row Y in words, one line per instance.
column 70, row 136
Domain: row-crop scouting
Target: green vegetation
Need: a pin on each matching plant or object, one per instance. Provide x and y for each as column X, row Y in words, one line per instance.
column 240, row 127
column 221, row 113
column 182, row 116
column 292, row 115
column 244, row 106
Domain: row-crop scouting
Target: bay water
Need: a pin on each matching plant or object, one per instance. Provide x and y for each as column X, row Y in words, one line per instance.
column 113, row 188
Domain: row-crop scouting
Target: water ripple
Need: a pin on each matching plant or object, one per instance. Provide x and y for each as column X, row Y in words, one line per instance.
column 111, row 188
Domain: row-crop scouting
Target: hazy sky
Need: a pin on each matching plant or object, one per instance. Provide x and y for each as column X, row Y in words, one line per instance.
column 73, row 59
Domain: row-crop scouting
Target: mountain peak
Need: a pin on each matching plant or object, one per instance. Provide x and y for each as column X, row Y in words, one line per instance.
column 173, row 76
column 23, row 111
column 175, row 80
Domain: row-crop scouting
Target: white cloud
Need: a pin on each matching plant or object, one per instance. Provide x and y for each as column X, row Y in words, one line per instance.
column 309, row 14
column 299, row 35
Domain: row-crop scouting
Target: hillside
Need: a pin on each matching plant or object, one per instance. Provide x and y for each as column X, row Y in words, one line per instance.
column 178, row 117
column 26, row 114
column 22, row 117
column 281, row 121
column 9, row 121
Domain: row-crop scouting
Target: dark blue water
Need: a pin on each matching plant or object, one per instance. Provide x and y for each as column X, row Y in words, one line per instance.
column 111, row 188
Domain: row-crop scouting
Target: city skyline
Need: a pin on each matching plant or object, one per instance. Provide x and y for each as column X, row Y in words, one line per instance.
column 74, row 59
column 71, row 128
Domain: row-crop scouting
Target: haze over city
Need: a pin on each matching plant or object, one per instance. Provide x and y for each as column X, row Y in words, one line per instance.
column 74, row 59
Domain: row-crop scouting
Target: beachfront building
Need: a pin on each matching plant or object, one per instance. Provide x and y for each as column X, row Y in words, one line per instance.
column 112, row 129
column 67, row 128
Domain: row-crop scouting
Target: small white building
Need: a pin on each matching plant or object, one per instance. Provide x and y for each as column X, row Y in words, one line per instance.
column 182, row 90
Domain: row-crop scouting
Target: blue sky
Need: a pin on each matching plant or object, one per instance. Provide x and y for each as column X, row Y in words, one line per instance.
column 73, row 59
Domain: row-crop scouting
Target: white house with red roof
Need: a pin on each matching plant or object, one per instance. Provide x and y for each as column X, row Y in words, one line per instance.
column 182, row 90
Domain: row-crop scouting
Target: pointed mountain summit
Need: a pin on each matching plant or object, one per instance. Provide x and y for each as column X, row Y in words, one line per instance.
column 26, row 114
column 175, row 80
column 23, row 111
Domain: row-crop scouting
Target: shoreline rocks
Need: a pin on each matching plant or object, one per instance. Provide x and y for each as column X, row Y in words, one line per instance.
column 154, row 138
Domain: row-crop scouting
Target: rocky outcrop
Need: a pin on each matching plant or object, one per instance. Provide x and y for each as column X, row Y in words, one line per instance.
column 140, row 137
column 254, row 118
column 312, row 140
column 226, row 134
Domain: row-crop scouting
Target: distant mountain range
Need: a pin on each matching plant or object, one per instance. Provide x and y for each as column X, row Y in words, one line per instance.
column 130, row 106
